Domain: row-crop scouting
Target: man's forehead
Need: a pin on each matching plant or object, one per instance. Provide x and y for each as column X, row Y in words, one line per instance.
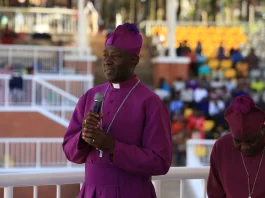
column 248, row 136
column 113, row 49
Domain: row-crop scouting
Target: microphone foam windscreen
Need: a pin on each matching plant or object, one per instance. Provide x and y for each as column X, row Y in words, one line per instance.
column 99, row 97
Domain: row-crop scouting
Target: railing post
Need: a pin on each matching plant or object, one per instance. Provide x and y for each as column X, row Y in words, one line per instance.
column 6, row 154
column 181, row 189
column 9, row 55
column 35, row 61
column 157, row 185
column 6, row 99
column 89, row 67
column 33, row 92
column 69, row 164
column 205, row 188
column 42, row 96
column 58, row 191
column 38, row 154
column 35, row 191
column 8, row 192
column 60, row 66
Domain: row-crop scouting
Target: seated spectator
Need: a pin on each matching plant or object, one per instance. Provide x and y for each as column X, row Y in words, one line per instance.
column 163, row 90
column 195, row 125
column 199, row 94
column 179, row 84
column 218, row 73
column 257, row 85
column 243, row 82
column 221, row 52
column 164, row 85
column 186, row 95
column 204, row 70
column 230, row 84
column 225, row 95
column 204, row 82
column 239, row 91
column 176, row 105
column 252, row 59
column 236, row 57
column 212, row 93
column 192, row 83
column 216, row 107
column 179, row 138
column 217, row 83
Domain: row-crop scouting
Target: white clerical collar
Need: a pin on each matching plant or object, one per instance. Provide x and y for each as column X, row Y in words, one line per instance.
column 116, row 85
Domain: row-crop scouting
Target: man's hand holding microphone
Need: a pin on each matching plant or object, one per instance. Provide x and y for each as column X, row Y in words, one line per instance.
column 91, row 132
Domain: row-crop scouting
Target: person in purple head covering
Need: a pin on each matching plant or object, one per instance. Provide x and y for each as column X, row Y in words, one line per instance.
column 237, row 159
column 130, row 140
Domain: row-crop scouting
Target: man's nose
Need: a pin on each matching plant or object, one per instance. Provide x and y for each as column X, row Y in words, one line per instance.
column 108, row 60
column 244, row 147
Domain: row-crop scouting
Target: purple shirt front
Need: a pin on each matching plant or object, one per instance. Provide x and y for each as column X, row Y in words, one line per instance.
column 143, row 146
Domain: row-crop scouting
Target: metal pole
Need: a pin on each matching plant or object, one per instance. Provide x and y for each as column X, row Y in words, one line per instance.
column 8, row 192
column 81, row 24
column 171, row 21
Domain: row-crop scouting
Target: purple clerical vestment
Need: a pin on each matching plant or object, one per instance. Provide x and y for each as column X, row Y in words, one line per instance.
column 142, row 143
column 228, row 177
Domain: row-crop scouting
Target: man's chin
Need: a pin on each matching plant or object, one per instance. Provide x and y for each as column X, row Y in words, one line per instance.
column 248, row 154
column 110, row 78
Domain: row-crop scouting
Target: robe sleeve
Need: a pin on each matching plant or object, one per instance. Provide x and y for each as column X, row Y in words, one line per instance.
column 214, row 184
column 75, row 149
column 155, row 155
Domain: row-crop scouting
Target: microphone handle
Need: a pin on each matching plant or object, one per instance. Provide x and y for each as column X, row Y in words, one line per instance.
column 97, row 107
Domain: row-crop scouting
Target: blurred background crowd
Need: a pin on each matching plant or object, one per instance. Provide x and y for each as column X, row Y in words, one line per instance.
column 197, row 105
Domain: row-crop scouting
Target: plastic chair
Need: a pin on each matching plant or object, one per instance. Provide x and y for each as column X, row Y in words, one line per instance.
column 213, row 63
column 208, row 125
column 226, row 64
column 230, row 73
column 187, row 112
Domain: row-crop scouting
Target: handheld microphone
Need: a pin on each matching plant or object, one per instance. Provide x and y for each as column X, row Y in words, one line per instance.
column 98, row 100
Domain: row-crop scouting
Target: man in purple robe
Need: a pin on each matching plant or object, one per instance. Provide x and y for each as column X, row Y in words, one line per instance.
column 237, row 159
column 121, row 154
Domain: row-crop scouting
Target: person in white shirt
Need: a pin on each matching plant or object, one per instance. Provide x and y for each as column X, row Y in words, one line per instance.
column 217, row 83
column 215, row 110
column 179, row 84
column 199, row 94
column 230, row 85
column 216, row 106
column 186, row 95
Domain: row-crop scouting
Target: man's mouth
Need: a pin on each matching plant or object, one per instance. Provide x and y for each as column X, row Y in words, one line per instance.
column 246, row 152
column 109, row 70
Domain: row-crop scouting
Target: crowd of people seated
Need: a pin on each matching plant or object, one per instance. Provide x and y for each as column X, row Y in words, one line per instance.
column 196, row 105
column 208, row 36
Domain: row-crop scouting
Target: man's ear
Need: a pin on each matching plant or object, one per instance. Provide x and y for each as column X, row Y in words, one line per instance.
column 135, row 60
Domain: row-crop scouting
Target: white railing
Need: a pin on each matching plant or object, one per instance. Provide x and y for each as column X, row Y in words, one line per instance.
column 47, row 152
column 76, row 176
column 47, row 59
column 52, row 96
column 32, row 153
column 198, row 152
column 38, row 20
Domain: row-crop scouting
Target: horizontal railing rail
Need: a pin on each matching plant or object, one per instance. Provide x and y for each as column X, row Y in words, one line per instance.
column 76, row 176
column 47, row 59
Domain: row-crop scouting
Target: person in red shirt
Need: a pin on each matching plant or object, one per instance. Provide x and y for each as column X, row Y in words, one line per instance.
column 195, row 125
column 7, row 36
